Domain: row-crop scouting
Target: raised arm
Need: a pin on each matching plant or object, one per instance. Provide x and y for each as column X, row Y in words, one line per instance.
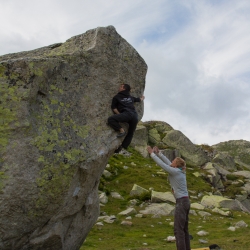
column 160, row 162
column 161, row 155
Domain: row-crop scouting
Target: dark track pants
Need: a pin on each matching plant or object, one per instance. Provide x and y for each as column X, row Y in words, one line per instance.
column 129, row 117
column 181, row 233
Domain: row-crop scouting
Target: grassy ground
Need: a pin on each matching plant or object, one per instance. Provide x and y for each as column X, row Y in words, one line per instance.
column 151, row 233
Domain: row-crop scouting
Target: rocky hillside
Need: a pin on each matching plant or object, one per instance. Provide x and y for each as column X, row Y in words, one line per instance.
column 136, row 202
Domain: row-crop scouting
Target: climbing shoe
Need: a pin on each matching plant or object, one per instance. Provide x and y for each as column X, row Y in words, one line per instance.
column 121, row 134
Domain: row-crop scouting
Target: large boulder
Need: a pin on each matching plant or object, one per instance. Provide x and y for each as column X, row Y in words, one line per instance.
column 140, row 140
column 214, row 176
column 238, row 149
column 54, row 141
column 224, row 160
column 192, row 154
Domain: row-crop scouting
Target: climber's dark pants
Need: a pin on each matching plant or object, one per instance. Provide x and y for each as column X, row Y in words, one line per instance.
column 129, row 117
column 181, row 233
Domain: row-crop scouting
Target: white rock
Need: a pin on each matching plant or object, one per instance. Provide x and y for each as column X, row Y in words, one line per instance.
column 103, row 198
column 232, row 229
column 202, row 233
column 116, row 195
column 171, row 238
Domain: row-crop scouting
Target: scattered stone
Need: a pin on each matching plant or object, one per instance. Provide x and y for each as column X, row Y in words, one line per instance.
column 211, row 201
column 241, row 224
column 133, row 202
column 202, row 233
column 171, row 239
column 219, row 211
column 163, row 209
column 99, row 224
column 116, row 195
column 159, row 197
column 137, row 190
column 103, row 198
column 106, row 173
column 128, row 211
column 197, row 174
column 204, row 214
column 140, row 216
column 232, row 229
column 203, row 241
column 193, row 212
column 126, row 223
column 197, row 206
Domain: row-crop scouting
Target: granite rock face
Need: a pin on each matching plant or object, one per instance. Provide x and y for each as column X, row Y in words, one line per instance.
column 238, row 149
column 54, row 141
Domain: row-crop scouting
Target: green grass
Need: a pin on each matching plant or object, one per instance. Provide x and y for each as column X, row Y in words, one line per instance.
column 154, row 231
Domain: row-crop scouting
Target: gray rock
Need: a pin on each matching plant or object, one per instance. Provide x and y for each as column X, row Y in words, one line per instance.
column 153, row 136
column 211, row 201
column 241, row 224
column 106, row 173
column 197, row 206
column 164, row 209
column 126, row 223
column 137, row 190
column 225, row 160
column 128, row 211
column 54, row 141
column 234, row 205
column 192, row 154
column 140, row 140
column 157, row 197
column 171, row 153
column 221, row 212
column 204, row 214
column 238, row 149
column 163, row 127
column 245, row 174
column 116, row 195
column 215, row 178
column 103, row 198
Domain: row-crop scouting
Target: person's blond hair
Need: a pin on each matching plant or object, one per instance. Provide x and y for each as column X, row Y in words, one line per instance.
column 180, row 162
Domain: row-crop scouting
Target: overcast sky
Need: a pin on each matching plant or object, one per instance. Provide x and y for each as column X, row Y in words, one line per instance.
column 197, row 52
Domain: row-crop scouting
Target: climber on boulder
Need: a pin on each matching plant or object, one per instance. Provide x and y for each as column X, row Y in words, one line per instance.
column 124, row 111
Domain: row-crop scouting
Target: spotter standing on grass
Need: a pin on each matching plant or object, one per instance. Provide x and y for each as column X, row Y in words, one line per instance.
column 124, row 111
column 177, row 179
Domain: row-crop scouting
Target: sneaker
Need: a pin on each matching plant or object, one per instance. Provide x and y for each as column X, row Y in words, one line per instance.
column 121, row 134
column 118, row 150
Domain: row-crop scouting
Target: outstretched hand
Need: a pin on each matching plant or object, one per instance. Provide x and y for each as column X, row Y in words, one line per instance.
column 156, row 150
column 150, row 150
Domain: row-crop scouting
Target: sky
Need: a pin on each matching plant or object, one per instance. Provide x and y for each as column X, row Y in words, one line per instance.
column 197, row 52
